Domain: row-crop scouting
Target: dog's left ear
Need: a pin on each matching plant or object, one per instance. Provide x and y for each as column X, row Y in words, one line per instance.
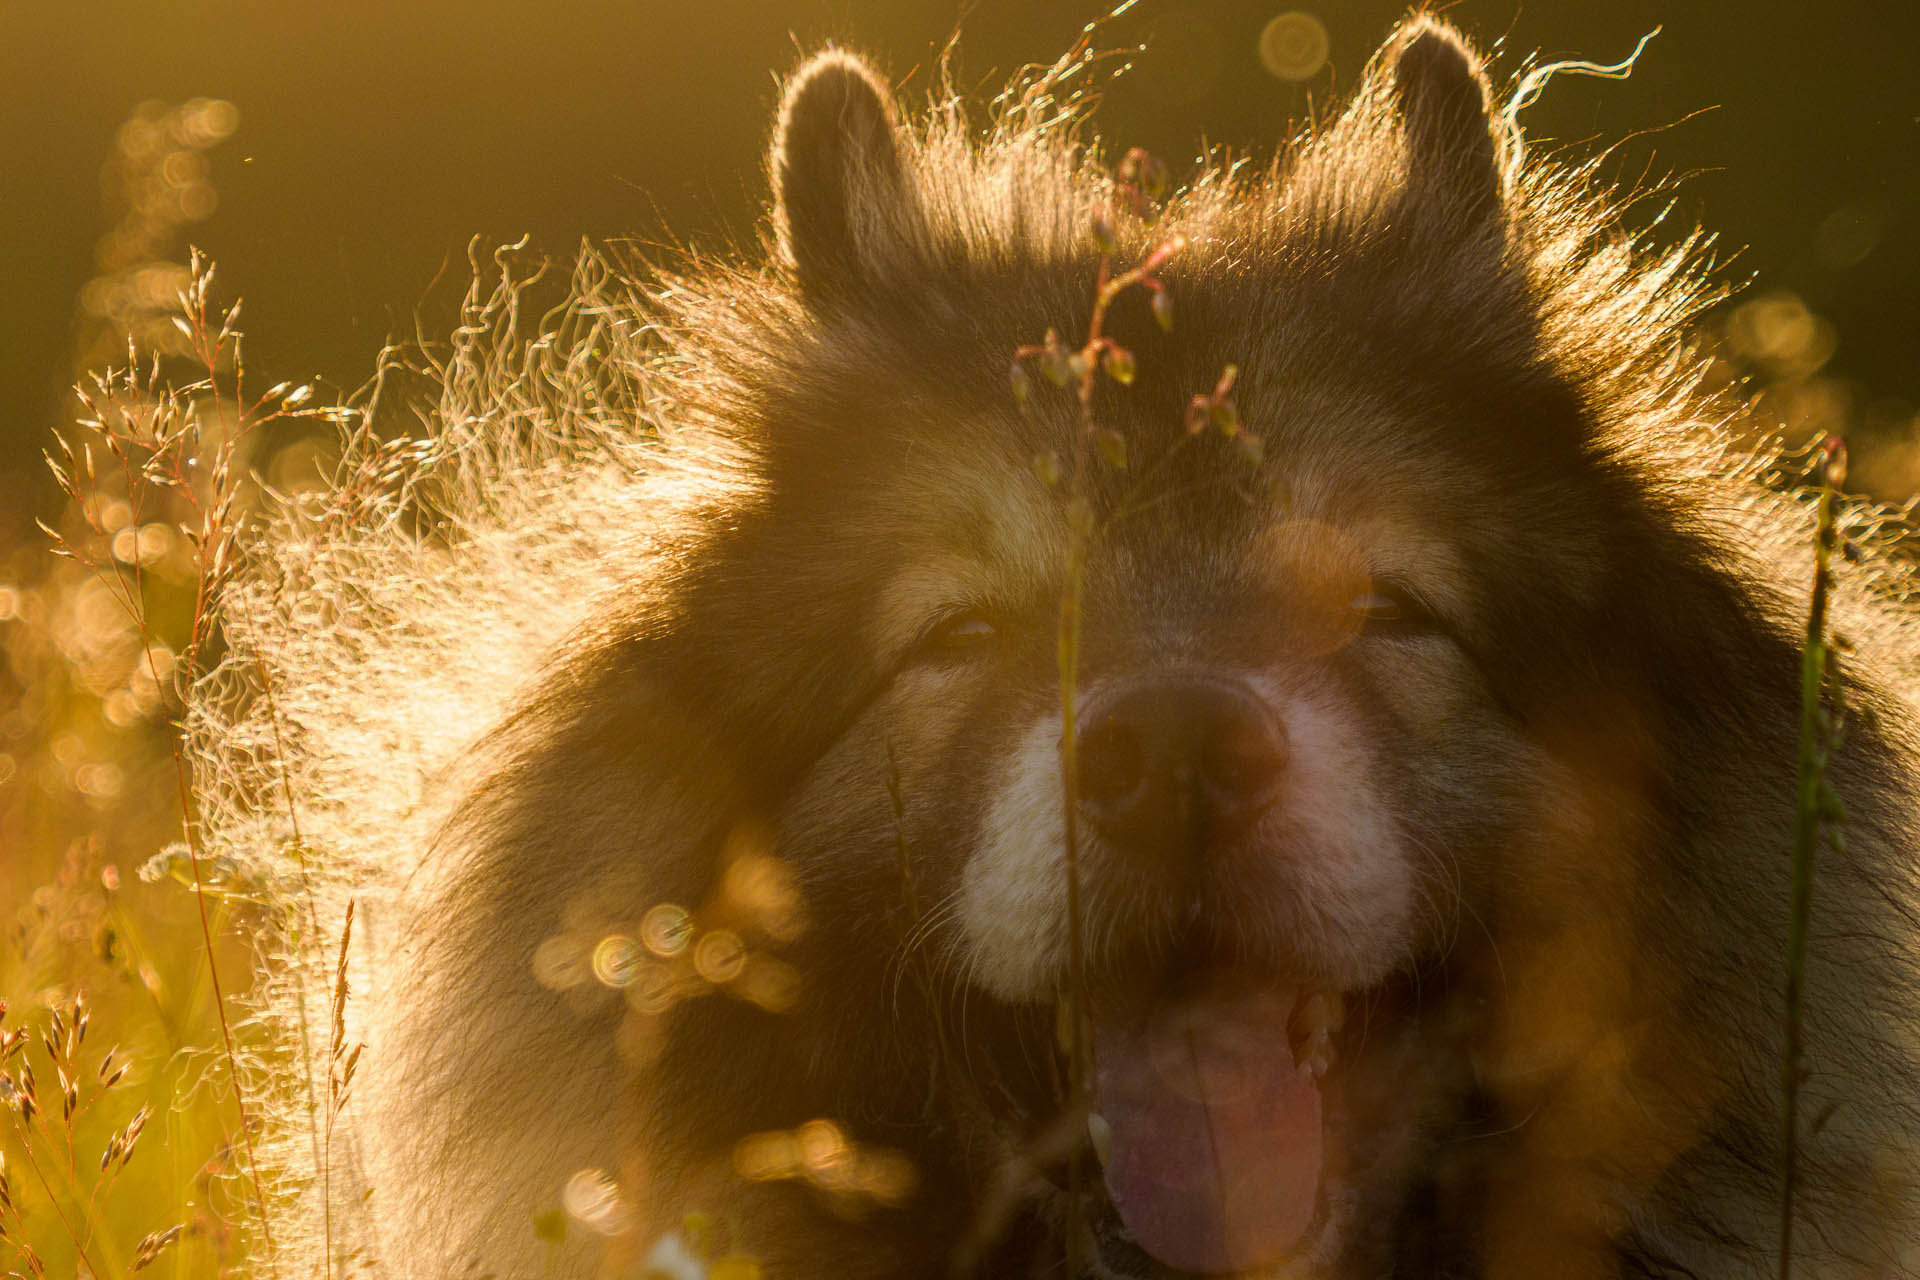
column 843, row 207
column 1457, row 146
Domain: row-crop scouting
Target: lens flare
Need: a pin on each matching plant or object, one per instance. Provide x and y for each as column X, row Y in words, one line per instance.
column 1294, row 46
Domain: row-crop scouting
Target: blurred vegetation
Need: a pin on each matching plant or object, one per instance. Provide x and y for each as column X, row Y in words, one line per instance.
column 119, row 1122
column 120, row 1136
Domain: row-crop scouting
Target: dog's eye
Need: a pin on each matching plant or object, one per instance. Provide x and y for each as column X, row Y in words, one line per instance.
column 959, row 633
column 1388, row 606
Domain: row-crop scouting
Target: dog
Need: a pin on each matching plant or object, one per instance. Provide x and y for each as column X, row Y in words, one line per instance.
column 697, row 756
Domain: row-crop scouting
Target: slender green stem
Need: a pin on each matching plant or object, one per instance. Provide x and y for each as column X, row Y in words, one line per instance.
column 53, row 1201
column 1081, row 530
column 1810, row 807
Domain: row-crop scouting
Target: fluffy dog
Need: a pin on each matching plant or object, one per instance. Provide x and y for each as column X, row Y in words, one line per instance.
column 689, row 732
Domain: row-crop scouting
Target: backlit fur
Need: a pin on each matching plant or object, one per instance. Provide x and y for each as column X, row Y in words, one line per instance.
column 648, row 602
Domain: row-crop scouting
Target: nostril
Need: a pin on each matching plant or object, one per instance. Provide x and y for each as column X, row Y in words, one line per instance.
column 1242, row 763
column 1170, row 764
column 1113, row 767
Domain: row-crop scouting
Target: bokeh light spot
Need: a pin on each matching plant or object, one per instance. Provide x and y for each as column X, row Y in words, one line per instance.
column 765, row 1157
column 666, row 929
column 762, row 888
column 1777, row 330
column 821, row 1153
column 593, row 1199
column 653, row 991
column 153, row 542
column 720, row 956
column 617, row 960
column 824, row 1154
column 888, row 1177
column 205, row 121
column 1847, row 235
column 99, row 781
column 772, row 984
column 182, row 168
column 1294, row 46
column 197, row 202
column 558, row 964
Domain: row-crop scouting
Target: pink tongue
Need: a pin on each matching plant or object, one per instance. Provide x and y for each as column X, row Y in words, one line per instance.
column 1215, row 1156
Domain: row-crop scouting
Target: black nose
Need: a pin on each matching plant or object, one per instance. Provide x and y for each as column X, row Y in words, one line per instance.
column 1173, row 765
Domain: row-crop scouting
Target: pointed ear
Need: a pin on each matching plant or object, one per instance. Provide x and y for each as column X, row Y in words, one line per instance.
column 1456, row 145
column 843, row 209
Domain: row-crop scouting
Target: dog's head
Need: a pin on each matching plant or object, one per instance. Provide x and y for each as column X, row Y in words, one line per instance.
column 1344, row 702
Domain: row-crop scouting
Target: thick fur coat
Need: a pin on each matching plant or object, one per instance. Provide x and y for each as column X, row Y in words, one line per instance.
column 682, row 710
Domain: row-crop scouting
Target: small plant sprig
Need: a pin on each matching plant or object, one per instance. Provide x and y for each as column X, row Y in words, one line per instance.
column 1140, row 185
column 176, row 447
column 1817, row 813
column 43, row 1124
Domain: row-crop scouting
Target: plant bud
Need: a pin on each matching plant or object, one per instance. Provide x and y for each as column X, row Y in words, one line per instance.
column 1104, row 238
column 1057, row 366
column 1834, row 462
column 1153, row 178
column 1199, row 410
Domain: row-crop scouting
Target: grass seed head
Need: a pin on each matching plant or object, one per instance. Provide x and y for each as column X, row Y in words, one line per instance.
column 151, row 1247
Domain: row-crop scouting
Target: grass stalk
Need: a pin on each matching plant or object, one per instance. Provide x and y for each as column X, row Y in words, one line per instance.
column 1140, row 184
column 156, row 436
column 1814, row 807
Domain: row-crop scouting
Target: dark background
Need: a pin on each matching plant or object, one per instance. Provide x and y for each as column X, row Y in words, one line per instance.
column 376, row 138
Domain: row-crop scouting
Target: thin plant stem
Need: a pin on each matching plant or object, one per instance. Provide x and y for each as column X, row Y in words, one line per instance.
column 170, row 462
column 1812, row 806
column 79, row 1248
column 1080, row 1066
column 1141, row 182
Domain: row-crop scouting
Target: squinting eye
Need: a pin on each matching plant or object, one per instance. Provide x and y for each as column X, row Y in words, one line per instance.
column 1375, row 606
column 1389, row 606
column 959, row 632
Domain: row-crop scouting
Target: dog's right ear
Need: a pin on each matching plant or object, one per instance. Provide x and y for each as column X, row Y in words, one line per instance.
column 843, row 209
column 1457, row 144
